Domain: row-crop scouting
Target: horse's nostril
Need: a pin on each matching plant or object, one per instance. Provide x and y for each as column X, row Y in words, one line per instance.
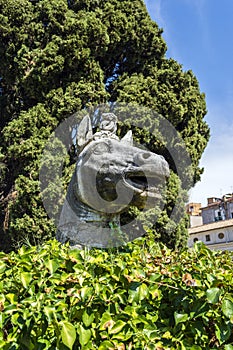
column 146, row 155
column 142, row 158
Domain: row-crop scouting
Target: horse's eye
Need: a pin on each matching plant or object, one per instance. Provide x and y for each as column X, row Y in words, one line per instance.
column 101, row 148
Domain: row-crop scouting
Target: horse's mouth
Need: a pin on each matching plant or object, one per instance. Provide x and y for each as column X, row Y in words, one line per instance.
column 145, row 186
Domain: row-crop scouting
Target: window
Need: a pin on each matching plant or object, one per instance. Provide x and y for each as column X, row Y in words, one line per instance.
column 221, row 235
column 195, row 240
column 207, row 238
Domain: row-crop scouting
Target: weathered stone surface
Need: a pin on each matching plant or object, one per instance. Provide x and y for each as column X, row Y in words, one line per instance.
column 110, row 174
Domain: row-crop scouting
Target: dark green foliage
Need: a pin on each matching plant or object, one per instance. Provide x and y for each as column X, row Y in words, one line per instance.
column 142, row 297
column 60, row 56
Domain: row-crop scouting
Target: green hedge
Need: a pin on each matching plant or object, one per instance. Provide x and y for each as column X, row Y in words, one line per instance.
column 141, row 297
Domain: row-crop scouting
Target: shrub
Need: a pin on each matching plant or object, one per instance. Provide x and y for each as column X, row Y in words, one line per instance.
column 143, row 296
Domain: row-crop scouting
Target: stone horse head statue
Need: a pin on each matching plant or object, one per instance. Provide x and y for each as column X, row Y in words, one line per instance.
column 110, row 175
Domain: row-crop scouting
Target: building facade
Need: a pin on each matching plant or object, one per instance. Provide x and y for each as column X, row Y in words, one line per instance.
column 216, row 228
column 216, row 235
column 194, row 212
column 218, row 209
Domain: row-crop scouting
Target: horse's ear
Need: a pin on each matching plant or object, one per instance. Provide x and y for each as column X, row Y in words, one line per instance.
column 84, row 133
column 128, row 138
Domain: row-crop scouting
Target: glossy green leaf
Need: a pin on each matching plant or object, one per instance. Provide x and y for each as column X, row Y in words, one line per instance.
column 49, row 312
column 11, row 297
column 2, row 267
column 227, row 307
column 223, row 332
column 106, row 345
column 15, row 317
column 88, row 319
column 117, row 327
column 180, row 318
column 212, row 295
column 138, row 291
column 143, row 291
column 86, row 292
column 26, row 278
column 155, row 292
column 52, row 266
column 84, row 335
column 105, row 319
column 68, row 334
column 228, row 347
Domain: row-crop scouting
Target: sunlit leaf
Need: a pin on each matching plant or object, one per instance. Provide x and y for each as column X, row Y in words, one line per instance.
column 84, row 335
column 213, row 295
column 26, row 278
column 52, row 266
column 117, row 327
column 227, row 307
column 180, row 318
column 106, row 345
column 68, row 334
column 228, row 347
column 88, row 319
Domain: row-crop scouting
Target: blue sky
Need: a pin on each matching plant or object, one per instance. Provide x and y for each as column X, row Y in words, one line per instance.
column 199, row 35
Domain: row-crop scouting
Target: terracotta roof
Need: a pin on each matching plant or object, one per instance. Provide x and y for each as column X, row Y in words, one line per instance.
column 215, row 204
column 211, row 226
column 227, row 199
